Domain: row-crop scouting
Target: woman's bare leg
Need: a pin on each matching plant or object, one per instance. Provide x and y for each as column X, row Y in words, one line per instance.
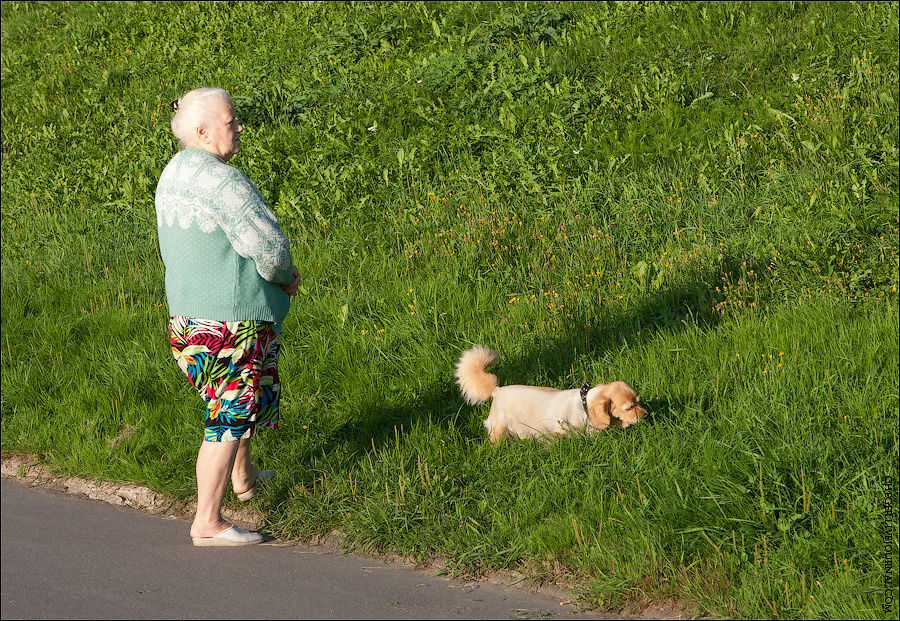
column 243, row 473
column 215, row 461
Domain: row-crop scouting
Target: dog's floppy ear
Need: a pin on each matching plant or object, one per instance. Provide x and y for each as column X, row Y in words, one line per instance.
column 599, row 412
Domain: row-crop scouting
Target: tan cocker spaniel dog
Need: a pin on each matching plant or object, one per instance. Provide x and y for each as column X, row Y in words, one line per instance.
column 537, row 411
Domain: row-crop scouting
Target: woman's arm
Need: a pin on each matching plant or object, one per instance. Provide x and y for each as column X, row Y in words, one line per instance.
column 291, row 289
column 253, row 231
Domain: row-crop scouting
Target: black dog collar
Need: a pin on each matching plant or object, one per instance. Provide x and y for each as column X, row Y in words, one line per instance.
column 584, row 391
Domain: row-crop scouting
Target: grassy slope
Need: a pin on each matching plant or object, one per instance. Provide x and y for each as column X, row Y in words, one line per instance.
column 700, row 199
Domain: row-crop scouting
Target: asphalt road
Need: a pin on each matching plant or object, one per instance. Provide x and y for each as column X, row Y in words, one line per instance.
column 65, row 556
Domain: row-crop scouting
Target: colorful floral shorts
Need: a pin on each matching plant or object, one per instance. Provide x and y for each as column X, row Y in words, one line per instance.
column 234, row 367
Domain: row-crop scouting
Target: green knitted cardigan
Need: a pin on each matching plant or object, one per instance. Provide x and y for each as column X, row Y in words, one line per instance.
column 224, row 253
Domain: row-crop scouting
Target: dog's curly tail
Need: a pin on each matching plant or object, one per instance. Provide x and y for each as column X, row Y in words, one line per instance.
column 476, row 385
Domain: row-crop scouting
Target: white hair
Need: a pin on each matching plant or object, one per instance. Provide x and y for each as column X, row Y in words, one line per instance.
column 195, row 109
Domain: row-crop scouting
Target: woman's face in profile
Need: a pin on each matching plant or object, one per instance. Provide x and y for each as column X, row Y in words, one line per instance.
column 223, row 133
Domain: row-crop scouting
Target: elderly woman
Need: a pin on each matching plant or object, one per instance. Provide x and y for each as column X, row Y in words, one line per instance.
column 229, row 279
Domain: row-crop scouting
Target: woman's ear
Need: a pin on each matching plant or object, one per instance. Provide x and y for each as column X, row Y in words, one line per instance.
column 599, row 412
column 201, row 134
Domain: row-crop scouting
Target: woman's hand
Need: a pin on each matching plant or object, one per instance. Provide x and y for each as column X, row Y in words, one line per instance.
column 291, row 289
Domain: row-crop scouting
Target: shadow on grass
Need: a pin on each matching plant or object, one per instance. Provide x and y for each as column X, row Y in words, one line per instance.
column 690, row 303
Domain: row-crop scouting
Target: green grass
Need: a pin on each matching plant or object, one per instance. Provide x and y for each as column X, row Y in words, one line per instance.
column 699, row 199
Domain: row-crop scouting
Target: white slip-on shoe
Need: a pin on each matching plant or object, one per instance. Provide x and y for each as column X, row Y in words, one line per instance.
column 262, row 477
column 232, row 536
